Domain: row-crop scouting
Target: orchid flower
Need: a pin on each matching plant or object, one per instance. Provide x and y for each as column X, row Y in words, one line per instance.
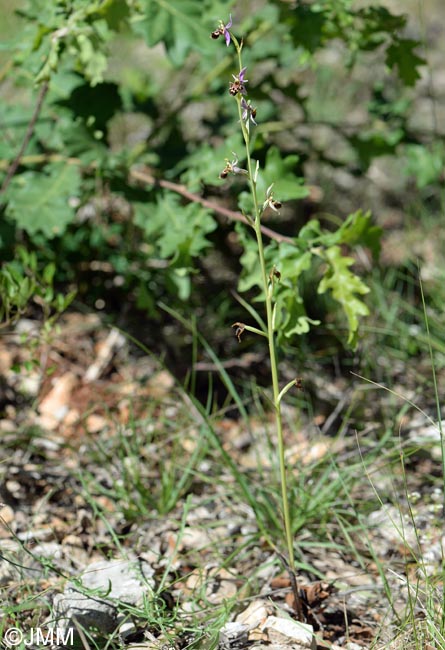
column 238, row 84
column 232, row 168
column 223, row 30
column 249, row 112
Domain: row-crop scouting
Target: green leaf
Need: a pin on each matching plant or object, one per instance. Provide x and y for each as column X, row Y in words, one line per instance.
column 291, row 318
column 280, row 171
column 376, row 24
column 345, row 286
column 372, row 144
column 178, row 24
column 291, row 315
column 180, row 278
column 115, row 12
column 251, row 273
column 356, row 229
column 179, row 231
column 205, row 164
column 426, row 164
column 40, row 202
column 93, row 61
column 48, row 273
column 400, row 54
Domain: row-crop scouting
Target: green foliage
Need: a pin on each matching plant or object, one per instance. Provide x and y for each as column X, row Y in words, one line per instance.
column 40, row 201
column 133, row 85
column 295, row 261
column 180, row 235
column 21, row 282
column 148, row 471
column 363, row 30
column 346, row 287
column 74, row 27
column 178, row 25
column 187, row 226
column 426, row 164
column 280, row 171
column 401, row 55
column 357, row 229
column 204, row 164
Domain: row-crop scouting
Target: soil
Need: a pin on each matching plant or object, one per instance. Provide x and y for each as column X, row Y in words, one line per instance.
column 90, row 427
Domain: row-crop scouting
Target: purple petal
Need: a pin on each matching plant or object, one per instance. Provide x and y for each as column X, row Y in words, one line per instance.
column 226, row 30
column 241, row 75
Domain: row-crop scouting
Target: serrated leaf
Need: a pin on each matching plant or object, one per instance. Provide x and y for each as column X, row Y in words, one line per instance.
column 345, row 286
column 14, row 119
column 39, row 202
column 179, row 231
column 306, row 25
column 400, row 54
column 356, row 229
column 205, row 164
column 377, row 24
column 291, row 318
column 280, row 172
column 251, row 274
column 157, row 23
column 310, row 231
column 178, row 24
column 291, row 315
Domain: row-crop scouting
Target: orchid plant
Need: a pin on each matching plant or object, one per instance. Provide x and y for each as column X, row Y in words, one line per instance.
column 270, row 276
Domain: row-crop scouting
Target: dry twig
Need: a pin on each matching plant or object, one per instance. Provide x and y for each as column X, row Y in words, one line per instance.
column 28, row 135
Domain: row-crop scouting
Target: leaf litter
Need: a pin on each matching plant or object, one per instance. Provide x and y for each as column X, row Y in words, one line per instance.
column 87, row 439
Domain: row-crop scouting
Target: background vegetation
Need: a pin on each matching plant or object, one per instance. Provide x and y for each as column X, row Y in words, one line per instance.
column 136, row 100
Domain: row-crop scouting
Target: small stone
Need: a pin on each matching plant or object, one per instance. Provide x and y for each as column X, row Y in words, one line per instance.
column 7, row 515
column 95, row 423
column 126, row 630
column 282, row 630
column 232, row 632
column 255, row 614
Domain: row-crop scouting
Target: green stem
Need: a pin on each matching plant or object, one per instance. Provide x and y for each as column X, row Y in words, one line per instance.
column 268, row 291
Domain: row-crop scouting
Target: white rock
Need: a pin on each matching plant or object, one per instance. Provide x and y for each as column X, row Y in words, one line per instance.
column 294, row 631
column 103, row 584
column 256, row 614
column 232, row 631
column 126, row 630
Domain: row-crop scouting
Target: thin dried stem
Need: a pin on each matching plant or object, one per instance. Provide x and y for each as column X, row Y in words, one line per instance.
column 28, row 135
